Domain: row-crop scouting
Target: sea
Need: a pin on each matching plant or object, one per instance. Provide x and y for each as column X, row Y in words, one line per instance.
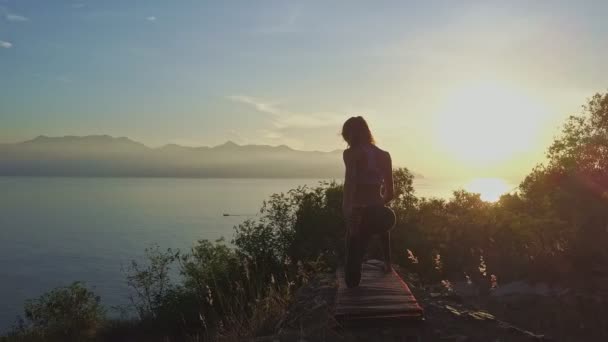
column 54, row 231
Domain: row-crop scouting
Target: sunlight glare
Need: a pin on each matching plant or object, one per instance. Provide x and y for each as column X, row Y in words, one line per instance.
column 488, row 123
column 490, row 189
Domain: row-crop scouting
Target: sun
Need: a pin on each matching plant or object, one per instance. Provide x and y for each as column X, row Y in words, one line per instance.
column 486, row 123
column 489, row 189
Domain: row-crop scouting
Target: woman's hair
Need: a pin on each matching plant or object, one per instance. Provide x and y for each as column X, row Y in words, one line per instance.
column 356, row 132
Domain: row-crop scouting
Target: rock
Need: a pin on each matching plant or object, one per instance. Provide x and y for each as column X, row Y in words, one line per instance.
column 266, row 339
column 523, row 288
column 464, row 289
column 482, row 316
column 453, row 310
column 455, row 338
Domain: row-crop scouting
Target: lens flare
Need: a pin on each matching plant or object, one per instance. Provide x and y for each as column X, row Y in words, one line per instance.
column 490, row 189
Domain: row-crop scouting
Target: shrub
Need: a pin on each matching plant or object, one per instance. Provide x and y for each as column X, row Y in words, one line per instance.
column 71, row 313
column 151, row 282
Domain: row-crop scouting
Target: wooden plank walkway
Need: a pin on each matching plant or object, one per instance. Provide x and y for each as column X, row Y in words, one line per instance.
column 380, row 296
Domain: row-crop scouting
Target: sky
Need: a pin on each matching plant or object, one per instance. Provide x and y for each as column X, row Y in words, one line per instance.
column 451, row 88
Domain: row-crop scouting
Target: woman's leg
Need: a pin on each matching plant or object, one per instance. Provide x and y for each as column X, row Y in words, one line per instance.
column 352, row 269
column 386, row 250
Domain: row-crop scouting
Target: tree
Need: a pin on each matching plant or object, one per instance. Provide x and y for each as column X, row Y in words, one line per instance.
column 573, row 186
column 71, row 313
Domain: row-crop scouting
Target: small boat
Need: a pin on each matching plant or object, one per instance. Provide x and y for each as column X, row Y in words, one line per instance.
column 226, row 214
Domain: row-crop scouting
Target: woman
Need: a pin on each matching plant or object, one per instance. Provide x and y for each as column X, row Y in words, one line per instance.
column 368, row 187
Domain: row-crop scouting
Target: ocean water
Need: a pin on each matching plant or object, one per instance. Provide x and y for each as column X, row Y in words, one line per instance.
column 57, row 230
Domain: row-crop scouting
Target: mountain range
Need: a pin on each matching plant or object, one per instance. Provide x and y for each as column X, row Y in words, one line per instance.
column 106, row 156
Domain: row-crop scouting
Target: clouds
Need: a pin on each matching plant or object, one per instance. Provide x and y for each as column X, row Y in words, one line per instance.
column 15, row 18
column 281, row 22
column 283, row 119
column 151, row 18
column 12, row 17
column 297, row 129
column 259, row 105
column 526, row 46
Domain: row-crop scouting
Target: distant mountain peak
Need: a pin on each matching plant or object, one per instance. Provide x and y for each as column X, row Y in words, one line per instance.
column 228, row 144
column 104, row 139
column 40, row 138
column 107, row 156
column 285, row 147
column 93, row 139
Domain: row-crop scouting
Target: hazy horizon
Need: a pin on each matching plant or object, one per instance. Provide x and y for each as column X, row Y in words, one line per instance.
column 106, row 156
column 102, row 135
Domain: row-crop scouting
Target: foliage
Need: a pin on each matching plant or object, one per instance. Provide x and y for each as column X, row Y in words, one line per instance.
column 150, row 283
column 241, row 290
column 70, row 313
column 572, row 189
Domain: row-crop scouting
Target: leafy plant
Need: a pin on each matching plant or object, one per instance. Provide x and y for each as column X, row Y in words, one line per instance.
column 70, row 313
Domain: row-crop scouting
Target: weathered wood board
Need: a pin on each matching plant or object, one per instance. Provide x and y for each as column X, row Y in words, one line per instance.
column 379, row 296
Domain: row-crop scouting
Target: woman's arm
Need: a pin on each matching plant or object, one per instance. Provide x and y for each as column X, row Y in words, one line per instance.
column 389, row 188
column 349, row 183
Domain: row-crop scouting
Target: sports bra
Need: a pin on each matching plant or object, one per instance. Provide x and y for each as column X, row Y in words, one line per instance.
column 368, row 171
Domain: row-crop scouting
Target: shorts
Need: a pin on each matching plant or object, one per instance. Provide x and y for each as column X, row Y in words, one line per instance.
column 375, row 219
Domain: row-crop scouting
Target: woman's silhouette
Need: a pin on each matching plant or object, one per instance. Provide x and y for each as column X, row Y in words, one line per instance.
column 368, row 187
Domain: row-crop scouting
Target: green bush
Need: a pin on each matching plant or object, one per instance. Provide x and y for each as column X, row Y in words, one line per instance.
column 71, row 313
column 151, row 282
column 240, row 290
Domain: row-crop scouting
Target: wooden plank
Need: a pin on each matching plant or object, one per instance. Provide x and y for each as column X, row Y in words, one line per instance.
column 379, row 295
